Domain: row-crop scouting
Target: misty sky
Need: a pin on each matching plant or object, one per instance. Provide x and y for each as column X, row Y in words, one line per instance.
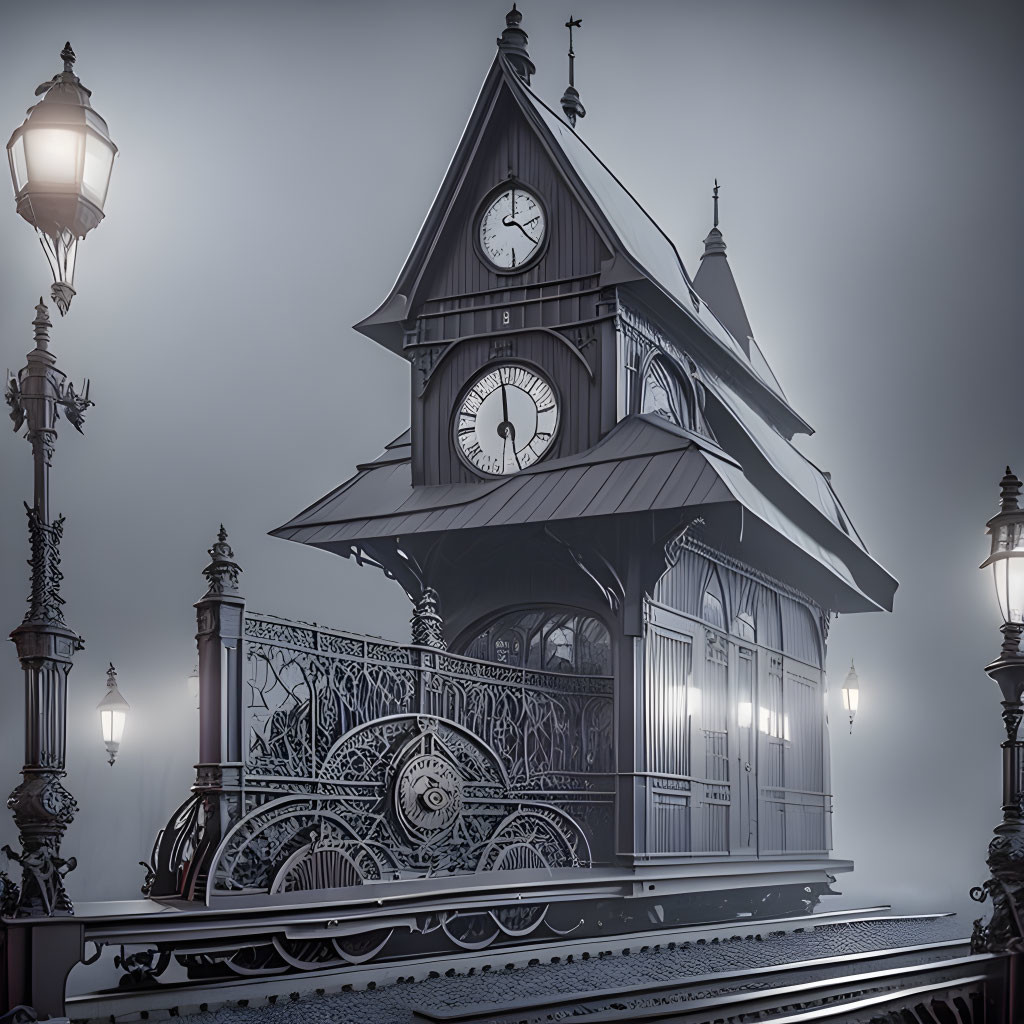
column 276, row 161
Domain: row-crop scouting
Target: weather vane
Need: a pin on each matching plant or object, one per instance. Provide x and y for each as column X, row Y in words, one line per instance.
column 714, row 195
column 571, row 98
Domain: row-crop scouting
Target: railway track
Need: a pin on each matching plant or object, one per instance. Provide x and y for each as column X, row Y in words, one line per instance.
column 829, row 987
column 179, row 998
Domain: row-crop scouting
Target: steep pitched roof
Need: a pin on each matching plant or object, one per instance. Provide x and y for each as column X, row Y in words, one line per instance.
column 620, row 217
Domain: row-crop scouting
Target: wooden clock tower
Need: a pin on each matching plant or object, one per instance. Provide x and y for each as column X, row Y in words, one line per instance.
column 599, row 482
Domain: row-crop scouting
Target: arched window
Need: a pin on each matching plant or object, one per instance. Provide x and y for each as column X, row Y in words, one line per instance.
column 743, row 627
column 713, row 605
column 664, row 394
column 549, row 639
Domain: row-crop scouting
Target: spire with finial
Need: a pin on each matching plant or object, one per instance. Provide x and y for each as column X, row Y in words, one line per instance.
column 512, row 43
column 571, row 105
column 715, row 284
column 714, row 242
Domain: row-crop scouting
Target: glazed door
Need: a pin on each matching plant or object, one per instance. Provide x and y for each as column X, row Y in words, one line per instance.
column 743, row 828
column 793, row 806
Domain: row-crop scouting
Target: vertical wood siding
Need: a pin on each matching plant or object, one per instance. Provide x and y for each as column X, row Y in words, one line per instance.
column 435, row 460
column 574, row 247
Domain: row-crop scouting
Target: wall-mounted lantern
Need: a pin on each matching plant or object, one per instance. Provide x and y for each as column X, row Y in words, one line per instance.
column 113, row 712
column 851, row 693
column 192, row 684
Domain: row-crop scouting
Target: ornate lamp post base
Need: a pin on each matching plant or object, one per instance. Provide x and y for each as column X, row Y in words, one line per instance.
column 42, row 806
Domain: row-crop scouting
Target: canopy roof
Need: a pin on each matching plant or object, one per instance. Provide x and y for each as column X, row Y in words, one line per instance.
column 644, row 464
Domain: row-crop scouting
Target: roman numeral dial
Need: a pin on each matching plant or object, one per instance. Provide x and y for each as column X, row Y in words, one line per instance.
column 512, row 228
column 507, row 420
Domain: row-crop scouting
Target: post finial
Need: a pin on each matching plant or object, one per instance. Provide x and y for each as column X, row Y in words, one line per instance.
column 571, row 105
column 42, row 325
column 111, row 675
column 68, row 56
column 512, row 43
column 1009, row 491
column 223, row 571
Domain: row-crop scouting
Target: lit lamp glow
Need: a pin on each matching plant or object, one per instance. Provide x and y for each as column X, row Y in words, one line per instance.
column 851, row 693
column 61, row 158
column 113, row 712
column 1007, row 560
column 192, row 682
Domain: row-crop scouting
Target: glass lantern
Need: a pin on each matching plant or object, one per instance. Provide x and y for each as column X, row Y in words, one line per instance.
column 192, row 684
column 1006, row 530
column 113, row 711
column 61, row 158
column 851, row 694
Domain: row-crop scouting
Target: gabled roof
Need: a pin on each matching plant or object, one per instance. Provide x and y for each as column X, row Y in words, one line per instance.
column 626, row 225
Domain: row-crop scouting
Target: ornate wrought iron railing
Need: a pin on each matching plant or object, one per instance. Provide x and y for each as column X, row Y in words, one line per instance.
column 331, row 760
column 306, row 686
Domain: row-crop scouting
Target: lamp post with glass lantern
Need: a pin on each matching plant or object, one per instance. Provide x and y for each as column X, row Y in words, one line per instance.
column 60, row 158
column 1006, row 849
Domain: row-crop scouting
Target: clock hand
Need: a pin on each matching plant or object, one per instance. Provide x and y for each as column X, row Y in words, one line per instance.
column 509, row 222
column 504, row 404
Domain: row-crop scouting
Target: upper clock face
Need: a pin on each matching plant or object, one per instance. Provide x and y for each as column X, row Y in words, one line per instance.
column 512, row 228
column 507, row 420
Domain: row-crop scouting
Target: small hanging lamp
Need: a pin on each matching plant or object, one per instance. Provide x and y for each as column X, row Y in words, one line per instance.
column 851, row 693
column 192, row 682
column 113, row 712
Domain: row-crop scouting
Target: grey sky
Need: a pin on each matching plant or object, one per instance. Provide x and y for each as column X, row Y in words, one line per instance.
column 276, row 161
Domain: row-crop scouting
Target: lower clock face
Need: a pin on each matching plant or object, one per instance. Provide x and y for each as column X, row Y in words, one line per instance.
column 507, row 420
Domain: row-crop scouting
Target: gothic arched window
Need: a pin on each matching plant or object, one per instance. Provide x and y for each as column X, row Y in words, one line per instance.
column 550, row 639
column 713, row 605
column 665, row 394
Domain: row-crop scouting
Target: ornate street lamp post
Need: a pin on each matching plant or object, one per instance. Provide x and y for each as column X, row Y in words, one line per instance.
column 60, row 162
column 61, row 158
column 1006, row 850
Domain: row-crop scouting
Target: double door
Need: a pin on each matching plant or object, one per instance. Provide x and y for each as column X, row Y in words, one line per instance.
column 735, row 744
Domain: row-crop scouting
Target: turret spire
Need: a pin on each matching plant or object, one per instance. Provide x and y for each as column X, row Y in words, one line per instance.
column 715, row 284
column 571, row 98
column 512, row 42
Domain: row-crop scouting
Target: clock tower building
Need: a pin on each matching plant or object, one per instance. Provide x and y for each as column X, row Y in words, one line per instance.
column 599, row 484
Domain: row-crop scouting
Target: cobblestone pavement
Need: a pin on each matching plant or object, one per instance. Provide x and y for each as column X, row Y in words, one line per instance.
column 654, row 964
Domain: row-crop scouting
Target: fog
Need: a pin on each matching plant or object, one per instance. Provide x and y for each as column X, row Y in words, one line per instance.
column 276, row 161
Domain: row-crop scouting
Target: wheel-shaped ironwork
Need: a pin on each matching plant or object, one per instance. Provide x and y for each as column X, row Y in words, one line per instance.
column 358, row 949
column 330, row 860
column 308, row 954
column 471, row 931
column 428, row 796
column 256, row 960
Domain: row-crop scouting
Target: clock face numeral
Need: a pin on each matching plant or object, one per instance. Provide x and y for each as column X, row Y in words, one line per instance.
column 507, row 420
column 512, row 228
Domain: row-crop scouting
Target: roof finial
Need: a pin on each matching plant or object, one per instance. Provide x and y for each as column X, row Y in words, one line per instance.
column 571, row 98
column 512, row 43
column 714, row 194
column 1009, row 491
column 68, row 56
